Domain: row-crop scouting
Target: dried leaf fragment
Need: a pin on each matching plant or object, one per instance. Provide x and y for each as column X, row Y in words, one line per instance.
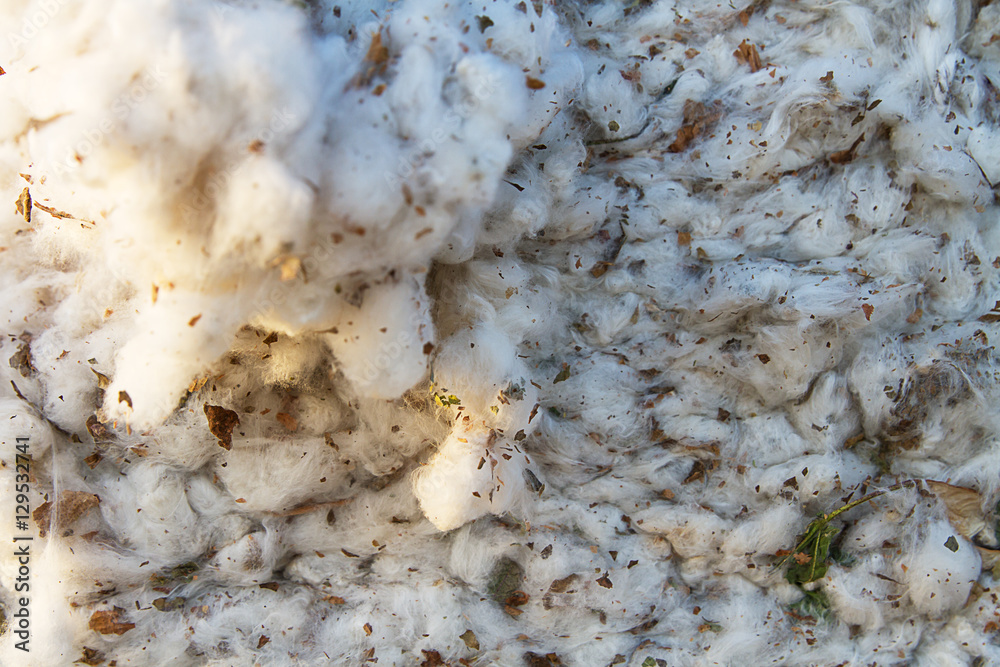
column 746, row 54
column 484, row 23
column 600, row 268
column 965, row 513
column 92, row 460
column 110, row 622
column 287, row 421
column 99, row 431
column 23, row 205
column 91, row 656
column 697, row 120
column 166, row 604
column 847, row 155
column 530, row 81
column 70, row 506
column 868, row 309
column 470, row 639
column 102, row 380
column 561, row 585
column 55, row 213
column 221, row 423
column 563, row 374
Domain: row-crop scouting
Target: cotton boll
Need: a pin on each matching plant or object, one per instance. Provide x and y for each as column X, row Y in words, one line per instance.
column 278, row 476
column 769, row 440
column 177, row 337
column 983, row 148
column 940, row 569
column 454, row 488
column 249, row 560
column 519, row 212
column 763, row 534
column 258, row 193
column 622, row 117
column 380, row 345
column 24, row 423
column 857, row 596
column 164, row 521
column 691, row 531
column 948, row 174
column 475, row 365
column 825, row 416
column 897, row 255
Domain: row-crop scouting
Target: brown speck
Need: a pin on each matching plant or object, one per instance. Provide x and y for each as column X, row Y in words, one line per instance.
column 194, row 320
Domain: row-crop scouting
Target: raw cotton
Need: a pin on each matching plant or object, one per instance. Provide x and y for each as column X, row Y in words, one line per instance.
column 499, row 333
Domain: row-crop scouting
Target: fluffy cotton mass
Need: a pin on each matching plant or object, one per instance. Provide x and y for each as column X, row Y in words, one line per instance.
column 497, row 332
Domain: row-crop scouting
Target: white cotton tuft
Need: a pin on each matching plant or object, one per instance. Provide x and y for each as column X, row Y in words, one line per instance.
column 468, row 477
column 940, row 570
column 381, row 344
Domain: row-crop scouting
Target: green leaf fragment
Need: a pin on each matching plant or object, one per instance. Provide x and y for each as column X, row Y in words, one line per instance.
column 813, row 604
column 506, row 578
column 951, row 544
column 810, row 557
column 563, row 374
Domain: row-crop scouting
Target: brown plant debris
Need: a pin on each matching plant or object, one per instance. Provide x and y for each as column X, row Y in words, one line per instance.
column 71, row 505
column 698, row 119
column 110, row 622
column 221, row 423
column 746, row 54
